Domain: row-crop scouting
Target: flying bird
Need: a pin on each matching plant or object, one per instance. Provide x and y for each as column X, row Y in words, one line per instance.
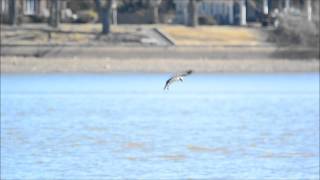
column 178, row 77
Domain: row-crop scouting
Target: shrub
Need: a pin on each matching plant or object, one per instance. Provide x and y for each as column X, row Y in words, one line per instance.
column 86, row 16
column 207, row 20
column 39, row 19
column 295, row 29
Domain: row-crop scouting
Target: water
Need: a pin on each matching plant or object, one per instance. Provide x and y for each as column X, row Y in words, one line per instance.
column 114, row 126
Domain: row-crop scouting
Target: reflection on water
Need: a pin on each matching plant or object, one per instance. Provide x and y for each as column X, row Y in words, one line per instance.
column 175, row 157
column 124, row 126
column 288, row 155
column 222, row 150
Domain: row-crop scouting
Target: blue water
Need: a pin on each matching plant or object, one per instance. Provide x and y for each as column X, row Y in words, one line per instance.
column 114, row 126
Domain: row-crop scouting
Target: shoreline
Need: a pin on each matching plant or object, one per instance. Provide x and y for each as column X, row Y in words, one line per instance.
column 16, row 65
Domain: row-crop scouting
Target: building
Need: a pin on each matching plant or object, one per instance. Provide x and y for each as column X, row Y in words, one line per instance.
column 229, row 12
column 239, row 12
column 33, row 9
column 27, row 7
column 223, row 11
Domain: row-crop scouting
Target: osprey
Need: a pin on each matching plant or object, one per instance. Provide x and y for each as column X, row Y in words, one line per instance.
column 178, row 77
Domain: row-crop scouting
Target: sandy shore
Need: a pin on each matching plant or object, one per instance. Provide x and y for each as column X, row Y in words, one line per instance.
column 81, row 65
column 206, row 49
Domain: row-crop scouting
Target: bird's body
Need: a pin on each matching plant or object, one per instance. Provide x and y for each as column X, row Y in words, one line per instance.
column 178, row 77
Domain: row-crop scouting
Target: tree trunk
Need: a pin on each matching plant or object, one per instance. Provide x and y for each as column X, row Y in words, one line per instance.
column 308, row 9
column 104, row 15
column 54, row 20
column 114, row 12
column 56, row 13
column 154, row 8
column 13, row 12
column 114, row 17
column 280, row 5
column 50, row 20
column 231, row 15
column 287, row 5
column 155, row 11
column 105, row 20
column 265, row 7
column 243, row 13
column 192, row 13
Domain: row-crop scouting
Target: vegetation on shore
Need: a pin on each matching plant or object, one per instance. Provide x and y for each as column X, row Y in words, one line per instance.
column 295, row 30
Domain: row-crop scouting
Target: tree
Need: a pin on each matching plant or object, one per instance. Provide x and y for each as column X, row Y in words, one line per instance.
column 243, row 12
column 155, row 10
column 193, row 13
column 104, row 9
column 13, row 12
column 54, row 19
column 114, row 7
column 308, row 9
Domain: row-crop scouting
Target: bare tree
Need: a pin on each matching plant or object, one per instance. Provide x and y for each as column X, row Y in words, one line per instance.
column 13, row 12
column 54, row 19
column 104, row 9
column 193, row 13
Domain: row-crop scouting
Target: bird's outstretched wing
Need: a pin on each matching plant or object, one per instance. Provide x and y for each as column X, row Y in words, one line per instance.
column 168, row 82
column 186, row 73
